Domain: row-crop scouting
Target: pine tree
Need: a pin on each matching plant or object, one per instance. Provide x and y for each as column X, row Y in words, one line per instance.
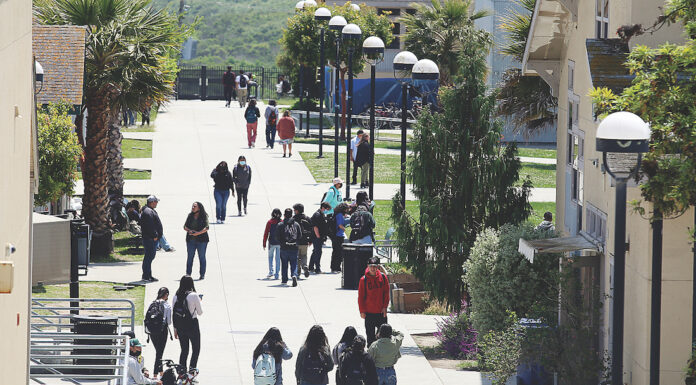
column 462, row 175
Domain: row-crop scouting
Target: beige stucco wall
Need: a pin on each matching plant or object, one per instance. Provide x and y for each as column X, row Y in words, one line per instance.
column 677, row 254
column 15, row 199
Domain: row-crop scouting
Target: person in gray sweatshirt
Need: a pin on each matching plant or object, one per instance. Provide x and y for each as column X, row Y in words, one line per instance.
column 241, row 175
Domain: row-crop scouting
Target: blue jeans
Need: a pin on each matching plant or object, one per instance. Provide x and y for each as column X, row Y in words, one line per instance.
column 315, row 258
column 162, row 243
column 386, row 376
column 270, row 135
column 150, row 250
column 274, row 249
column 191, row 248
column 366, row 240
column 291, row 257
column 221, row 197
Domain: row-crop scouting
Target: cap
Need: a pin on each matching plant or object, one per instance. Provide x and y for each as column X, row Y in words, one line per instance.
column 135, row 342
column 337, row 181
column 373, row 261
column 152, row 198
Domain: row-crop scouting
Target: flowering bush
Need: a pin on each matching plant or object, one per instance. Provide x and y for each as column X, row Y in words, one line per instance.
column 456, row 335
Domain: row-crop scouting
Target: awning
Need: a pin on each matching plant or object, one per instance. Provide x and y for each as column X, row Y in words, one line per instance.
column 554, row 245
column 607, row 58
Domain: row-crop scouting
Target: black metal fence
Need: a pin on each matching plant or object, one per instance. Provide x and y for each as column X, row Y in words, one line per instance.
column 205, row 82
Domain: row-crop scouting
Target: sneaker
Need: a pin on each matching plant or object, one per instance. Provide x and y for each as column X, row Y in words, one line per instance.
column 245, row 211
column 294, row 281
column 269, row 276
column 276, row 277
column 253, row 145
column 170, row 250
column 240, row 213
column 152, row 279
column 306, row 273
column 284, row 282
column 249, row 146
column 284, row 155
column 202, row 277
column 318, row 271
column 222, row 222
column 290, row 155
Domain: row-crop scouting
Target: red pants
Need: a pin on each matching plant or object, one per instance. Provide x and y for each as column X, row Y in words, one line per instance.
column 251, row 132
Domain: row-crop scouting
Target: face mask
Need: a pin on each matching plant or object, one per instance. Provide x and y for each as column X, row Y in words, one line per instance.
column 135, row 353
column 242, row 163
column 325, row 212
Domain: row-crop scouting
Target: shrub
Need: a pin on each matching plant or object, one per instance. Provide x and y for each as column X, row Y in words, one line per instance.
column 456, row 335
column 502, row 351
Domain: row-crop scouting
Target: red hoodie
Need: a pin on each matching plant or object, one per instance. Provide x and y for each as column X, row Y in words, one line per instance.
column 373, row 292
column 269, row 232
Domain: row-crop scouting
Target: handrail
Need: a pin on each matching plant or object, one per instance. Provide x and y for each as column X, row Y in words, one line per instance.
column 62, row 309
column 331, row 114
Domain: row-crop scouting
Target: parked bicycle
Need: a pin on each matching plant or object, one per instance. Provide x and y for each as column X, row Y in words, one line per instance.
column 176, row 374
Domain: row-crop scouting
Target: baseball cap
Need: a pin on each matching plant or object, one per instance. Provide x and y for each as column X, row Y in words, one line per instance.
column 373, row 261
column 135, row 342
column 152, row 198
column 337, row 181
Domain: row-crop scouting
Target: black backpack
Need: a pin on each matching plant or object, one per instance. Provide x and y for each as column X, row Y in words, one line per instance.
column 307, row 228
column 228, row 78
column 313, row 369
column 290, row 234
column 352, row 369
column 286, row 86
column 272, row 118
column 181, row 316
column 359, row 224
column 331, row 226
column 242, row 81
column 154, row 318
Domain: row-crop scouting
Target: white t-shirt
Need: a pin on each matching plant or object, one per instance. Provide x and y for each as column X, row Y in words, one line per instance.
column 354, row 146
column 194, row 304
column 239, row 78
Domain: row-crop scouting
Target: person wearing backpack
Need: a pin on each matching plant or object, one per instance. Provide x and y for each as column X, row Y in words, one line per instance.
column 314, row 359
column 385, row 352
column 346, row 340
column 269, row 234
column 241, row 175
column 271, row 114
column 333, row 196
column 355, row 366
column 196, row 227
column 267, row 361
column 186, row 308
column 362, row 225
column 221, row 191
column 305, row 238
column 157, row 320
column 373, row 298
column 228, row 82
column 319, row 235
column 288, row 234
column 286, row 132
column 242, row 82
column 339, row 236
column 252, row 115
column 363, row 159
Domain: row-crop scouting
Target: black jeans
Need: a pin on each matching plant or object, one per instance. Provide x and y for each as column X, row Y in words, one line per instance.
column 372, row 323
column 336, row 254
column 228, row 94
column 315, row 258
column 194, row 336
column 242, row 195
column 355, row 172
column 159, row 340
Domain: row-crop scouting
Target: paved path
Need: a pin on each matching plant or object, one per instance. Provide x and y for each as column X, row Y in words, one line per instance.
column 239, row 304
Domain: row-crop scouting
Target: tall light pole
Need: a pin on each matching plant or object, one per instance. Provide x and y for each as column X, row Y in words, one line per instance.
column 622, row 137
column 321, row 15
column 403, row 64
column 373, row 49
column 299, row 7
column 351, row 32
column 336, row 24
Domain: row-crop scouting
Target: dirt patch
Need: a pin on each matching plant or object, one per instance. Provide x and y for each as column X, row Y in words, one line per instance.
column 437, row 357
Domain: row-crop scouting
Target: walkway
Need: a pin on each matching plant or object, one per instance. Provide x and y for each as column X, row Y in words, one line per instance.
column 239, row 304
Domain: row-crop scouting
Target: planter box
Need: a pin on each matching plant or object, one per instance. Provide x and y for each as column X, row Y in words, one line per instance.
column 401, row 278
column 414, row 301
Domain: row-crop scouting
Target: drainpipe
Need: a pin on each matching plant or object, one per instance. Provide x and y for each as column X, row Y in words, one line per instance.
column 656, row 299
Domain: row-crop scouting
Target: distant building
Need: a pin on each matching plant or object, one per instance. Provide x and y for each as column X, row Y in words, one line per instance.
column 188, row 51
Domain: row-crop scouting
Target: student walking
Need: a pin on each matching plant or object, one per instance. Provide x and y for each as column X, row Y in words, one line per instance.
column 364, row 159
column 157, row 320
column 288, row 233
column 228, row 82
column 269, row 234
column 373, row 298
column 314, row 359
column 241, row 175
column 385, row 353
column 151, row 228
column 223, row 186
column 196, row 227
column 271, row 114
column 267, row 361
column 354, row 153
column 338, row 238
column 355, row 366
column 186, row 308
column 305, row 238
column 346, row 340
column 333, row 196
column 319, row 235
column 242, row 82
column 286, row 132
column 252, row 114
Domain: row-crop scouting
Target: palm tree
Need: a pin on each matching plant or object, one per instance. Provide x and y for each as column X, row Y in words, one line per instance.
column 127, row 41
column 526, row 100
column 436, row 32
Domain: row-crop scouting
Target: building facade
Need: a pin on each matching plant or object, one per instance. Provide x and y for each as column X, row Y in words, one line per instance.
column 16, row 187
column 557, row 50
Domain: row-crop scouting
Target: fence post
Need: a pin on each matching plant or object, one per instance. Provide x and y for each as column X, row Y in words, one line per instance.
column 204, row 83
column 263, row 80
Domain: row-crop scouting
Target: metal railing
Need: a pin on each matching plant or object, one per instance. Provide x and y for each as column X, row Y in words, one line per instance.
column 70, row 357
column 385, row 248
column 51, row 315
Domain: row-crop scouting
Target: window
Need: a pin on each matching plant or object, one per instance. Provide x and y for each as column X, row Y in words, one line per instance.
column 596, row 224
column 602, row 19
column 571, row 75
column 410, row 11
column 396, row 43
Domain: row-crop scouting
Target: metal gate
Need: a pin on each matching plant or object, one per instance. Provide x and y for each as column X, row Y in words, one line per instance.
column 205, row 82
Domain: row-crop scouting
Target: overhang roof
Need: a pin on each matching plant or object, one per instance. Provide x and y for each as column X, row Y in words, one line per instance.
column 554, row 245
column 548, row 30
column 606, row 58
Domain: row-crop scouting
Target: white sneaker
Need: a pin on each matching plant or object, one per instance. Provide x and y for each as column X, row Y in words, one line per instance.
column 222, row 222
column 269, row 276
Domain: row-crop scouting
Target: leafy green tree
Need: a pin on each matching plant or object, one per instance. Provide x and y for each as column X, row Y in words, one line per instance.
column 462, row 176
column 59, row 153
column 501, row 350
column 436, row 32
column 526, row 100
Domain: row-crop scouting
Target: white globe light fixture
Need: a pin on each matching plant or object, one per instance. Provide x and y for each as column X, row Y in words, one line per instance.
column 622, row 137
column 373, row 48
column 351, row 32
column 337, row 23
column 425, row 69
column 403, row 64
column 300, row 5
column 355, row 7
column 322, row 14
column 310, row 3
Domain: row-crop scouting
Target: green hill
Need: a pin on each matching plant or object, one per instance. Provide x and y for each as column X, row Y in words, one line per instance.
column 236, row 31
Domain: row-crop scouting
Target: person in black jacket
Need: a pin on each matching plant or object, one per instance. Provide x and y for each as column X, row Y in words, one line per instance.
column 288, row 234
column 151, row 228
column 355, row 366
column 223, row 185
column 314, row 359
column 305, row 238
column 241, row 175
column 364, row 160
column 319, row 235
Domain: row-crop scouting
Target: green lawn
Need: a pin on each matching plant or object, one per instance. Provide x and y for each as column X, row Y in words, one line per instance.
column 130, row 174
column 536, row 152
column 330, row 142
column 387, row 170
column 135, row 148
column 542, row 175
column 126, row 249
column 538, row 210
column 284, row 101
column 96, row 289
column 139, row 128
column 382, row 212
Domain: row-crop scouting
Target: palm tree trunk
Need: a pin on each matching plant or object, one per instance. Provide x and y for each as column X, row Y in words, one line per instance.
column 115, row 159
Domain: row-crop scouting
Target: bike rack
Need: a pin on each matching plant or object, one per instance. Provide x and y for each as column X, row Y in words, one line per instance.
column 60, row 311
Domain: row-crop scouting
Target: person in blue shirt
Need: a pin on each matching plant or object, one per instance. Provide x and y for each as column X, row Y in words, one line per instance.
column 340, row 234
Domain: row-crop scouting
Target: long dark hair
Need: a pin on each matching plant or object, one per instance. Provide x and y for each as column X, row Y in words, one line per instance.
column 276, row 214
column 275, row 344
column 162, row 292
column 316, row 340
column 348, row 335
column 185, row 286
column 341, row 208
column 222, row 167
column 202, row 215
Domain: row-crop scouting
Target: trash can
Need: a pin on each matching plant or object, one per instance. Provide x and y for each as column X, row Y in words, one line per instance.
column 532, row 373
column 355, row 258
column 94, row 325
column 80, row 240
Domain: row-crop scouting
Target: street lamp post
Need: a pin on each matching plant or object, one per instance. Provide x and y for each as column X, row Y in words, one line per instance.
column 321, row 15
column 373, row 49
column 350, row 32
column 622, row 137
column 336, row 24
column 403, row 64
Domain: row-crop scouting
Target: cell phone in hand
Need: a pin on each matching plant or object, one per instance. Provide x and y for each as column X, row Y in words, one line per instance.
column 200, row 296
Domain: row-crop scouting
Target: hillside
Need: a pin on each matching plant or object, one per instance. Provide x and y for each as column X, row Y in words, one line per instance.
column 236, row 31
